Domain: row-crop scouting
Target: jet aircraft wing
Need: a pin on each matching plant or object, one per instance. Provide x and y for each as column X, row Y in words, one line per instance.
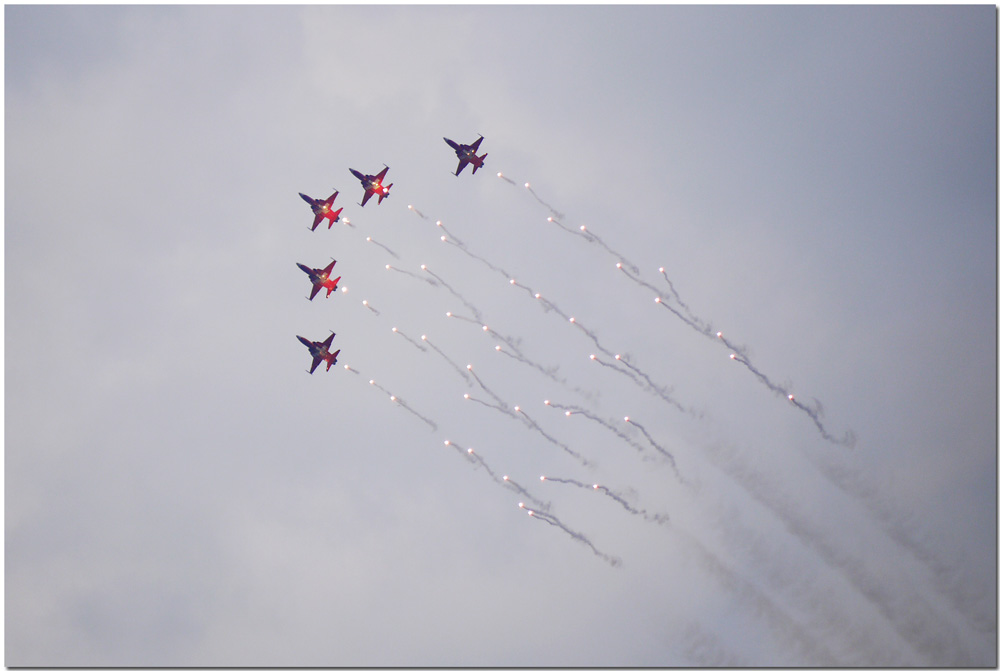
column 329, row 201
column 368, row 194
column 461, row 164
column 326, row 343
column 318, row 218
column 379, row 177
column 475, row 145
column 315, row 290
column 316, row 360
column 327, row 270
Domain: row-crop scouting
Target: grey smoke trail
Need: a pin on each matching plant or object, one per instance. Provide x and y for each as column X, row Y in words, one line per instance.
column 677, row 296
column 506, row 179
column 659, row 518
column 464, row 318
column 448, row 237
column 534, row 425
column 500, row 407
column 556, row 213
column 554, row 521
column 577, row 410
column 848, row 440
column 350, row 370
column 376, row 242
column 365, row 303
column 659, row 448
column 484, row 387
column 414, row 275
column 402, row 404
column 491, row 266
column 475, row 310
column 418, row 212
column 504, row 481
column 548, row 372
column 461, row 371
column 661, row 391
column 409, row 339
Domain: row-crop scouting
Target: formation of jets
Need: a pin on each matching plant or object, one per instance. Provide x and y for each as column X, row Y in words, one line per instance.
column 323, row 209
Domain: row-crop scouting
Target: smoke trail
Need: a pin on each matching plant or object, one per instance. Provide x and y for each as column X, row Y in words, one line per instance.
column 402, row 404
column 473, row 457
column 414, row 275
column 418, row 212
column 548, row 372
column 475, row 310
column 448, row 237
column 551, row 209
column 554, row 521
column 848, row 440
column 461, row 371
column 376, row 242
column 502, row 407
column 350, row 370
column 677, row 296
column 576, row 410
column 506, row 179
column 463, row 318
column 472, row 255
column 409, row 339
column 659, row 518
column 661, row 391
column 365, row 303
column 659, row 448
column 534, row 425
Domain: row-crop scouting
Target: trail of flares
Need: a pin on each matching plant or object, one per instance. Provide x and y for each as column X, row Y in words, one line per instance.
column 367, row 305
column 475, row 256
column 448, row 237
column 506, row 179
column 418, row 212
column 663, row 393
column 659, row 518
column 504, row 481
column 402, row 403
column 454, row 365
column 676, row 295
column 475, row 310
column 376, row 242
column 410, row 340
column 577, row 410
column 554, row 521
column 411, row 274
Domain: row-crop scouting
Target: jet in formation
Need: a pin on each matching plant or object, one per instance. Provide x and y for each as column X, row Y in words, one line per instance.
column 320, row 279
column 320, row 351
column 372, row 185
column 467, row 154
column 323, row 209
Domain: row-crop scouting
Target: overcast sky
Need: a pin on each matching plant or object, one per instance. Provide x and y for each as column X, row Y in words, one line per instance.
column 817, row 183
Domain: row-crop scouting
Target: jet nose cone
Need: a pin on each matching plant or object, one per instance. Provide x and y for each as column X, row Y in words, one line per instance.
column 304, row 268
column 303, row 341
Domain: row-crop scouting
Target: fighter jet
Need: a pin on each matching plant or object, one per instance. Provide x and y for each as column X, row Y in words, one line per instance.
column 320, row 279
column 320, row 351
column 467, row 154
column 323, row 209
column 373, row 184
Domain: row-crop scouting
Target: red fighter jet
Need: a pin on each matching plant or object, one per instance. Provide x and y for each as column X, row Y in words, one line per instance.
column 320, row 279
column 323, row 209
column 373, row 184
column 320, row 351
column 467, row 154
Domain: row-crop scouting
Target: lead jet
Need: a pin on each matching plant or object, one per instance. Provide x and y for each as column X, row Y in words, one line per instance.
column 320, row 279
column 320, row 351
column 373, row 184
column 467, row 154
column 323, row 209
